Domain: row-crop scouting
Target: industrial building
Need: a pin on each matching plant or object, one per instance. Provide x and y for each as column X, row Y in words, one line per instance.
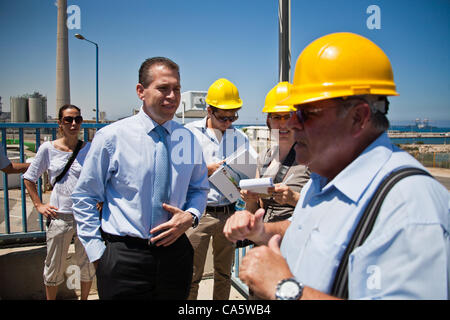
column 28, row 108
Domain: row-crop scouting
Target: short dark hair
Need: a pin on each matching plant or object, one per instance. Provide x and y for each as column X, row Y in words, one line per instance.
column 65, row 107
column 144, row 75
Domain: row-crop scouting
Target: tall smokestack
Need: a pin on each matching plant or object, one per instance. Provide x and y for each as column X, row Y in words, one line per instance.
column 62, row 58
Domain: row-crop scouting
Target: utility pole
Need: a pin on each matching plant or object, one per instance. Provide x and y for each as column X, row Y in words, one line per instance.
column 284, row 40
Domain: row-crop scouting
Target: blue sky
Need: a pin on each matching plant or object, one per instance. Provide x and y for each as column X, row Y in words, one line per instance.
column 210, row 39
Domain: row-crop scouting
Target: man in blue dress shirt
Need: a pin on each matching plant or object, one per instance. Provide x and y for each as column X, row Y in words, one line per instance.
column 138, row 243
column 340, row 90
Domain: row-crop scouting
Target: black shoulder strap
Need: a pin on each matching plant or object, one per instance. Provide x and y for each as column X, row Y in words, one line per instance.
column 365, row 225
column 69, row 163
column 285, row 166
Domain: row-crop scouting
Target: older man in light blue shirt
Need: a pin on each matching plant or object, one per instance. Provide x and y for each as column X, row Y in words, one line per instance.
column 340, row 129
column 406, row 254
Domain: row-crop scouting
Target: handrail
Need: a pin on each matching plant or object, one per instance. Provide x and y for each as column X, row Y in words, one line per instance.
column 240, row 286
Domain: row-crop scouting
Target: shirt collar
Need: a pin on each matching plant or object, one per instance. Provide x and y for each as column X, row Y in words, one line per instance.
column 365, row 167
column 149, row 124
column 202, row 123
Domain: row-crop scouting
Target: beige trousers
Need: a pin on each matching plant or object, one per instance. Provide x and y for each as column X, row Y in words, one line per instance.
column 211, row 225
column 59, row 236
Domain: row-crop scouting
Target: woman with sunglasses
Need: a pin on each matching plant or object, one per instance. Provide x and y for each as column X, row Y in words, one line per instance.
column 278, row 162
column 53, row 157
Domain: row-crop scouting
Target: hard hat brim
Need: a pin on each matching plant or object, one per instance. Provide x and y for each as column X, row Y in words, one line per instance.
column 225, row 106
column 282, row 108
column 307, row 95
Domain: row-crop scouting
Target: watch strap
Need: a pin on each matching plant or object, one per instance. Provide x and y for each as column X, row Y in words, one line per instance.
column 194, row 220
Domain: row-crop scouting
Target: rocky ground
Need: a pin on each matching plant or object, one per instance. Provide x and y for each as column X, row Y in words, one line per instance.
column 426, row 148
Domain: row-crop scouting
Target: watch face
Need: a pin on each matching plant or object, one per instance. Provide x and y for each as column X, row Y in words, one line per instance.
column 290, row 289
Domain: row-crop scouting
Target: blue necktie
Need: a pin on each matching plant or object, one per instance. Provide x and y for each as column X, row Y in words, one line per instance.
column 161, row 184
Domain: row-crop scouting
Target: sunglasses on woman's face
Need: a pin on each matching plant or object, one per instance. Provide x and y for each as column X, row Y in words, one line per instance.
column 67, row 120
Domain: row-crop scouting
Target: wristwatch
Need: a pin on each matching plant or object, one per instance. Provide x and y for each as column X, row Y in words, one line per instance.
column 194, row 221
column 289, row 289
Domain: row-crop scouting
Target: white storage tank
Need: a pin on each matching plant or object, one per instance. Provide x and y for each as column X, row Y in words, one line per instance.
column 36, row 109
column 19, row 109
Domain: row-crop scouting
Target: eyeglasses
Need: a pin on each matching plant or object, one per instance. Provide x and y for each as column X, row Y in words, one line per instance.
column 225, row 119
column 304, row 114
column 278, row 117
column 67, row 120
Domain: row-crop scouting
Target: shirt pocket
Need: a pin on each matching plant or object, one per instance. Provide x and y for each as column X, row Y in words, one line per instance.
column 320, row 261
column 126, row 177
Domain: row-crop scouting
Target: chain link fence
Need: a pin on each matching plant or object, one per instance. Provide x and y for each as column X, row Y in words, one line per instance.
column 433, row 159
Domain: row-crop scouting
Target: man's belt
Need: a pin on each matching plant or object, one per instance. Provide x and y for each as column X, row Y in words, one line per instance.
column 126, row 239
column 219, row 209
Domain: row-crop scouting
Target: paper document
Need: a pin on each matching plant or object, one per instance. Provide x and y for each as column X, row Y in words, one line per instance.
column 256, row 185
column 239, row 165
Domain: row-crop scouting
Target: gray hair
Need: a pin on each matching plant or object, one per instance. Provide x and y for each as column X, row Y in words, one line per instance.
column 379, row 106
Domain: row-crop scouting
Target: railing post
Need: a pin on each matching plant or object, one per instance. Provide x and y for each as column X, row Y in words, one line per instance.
column 5, row 188
column 236, row 263
column 86, row 134
column 22, row 185
column 39, row 183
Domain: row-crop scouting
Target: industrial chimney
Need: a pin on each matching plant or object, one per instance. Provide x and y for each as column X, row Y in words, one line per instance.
column 62, row 58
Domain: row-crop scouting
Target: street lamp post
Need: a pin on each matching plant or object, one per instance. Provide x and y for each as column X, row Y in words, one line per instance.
column 79, row 36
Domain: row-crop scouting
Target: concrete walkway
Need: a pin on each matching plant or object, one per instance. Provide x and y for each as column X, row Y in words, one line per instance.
column 21, row 276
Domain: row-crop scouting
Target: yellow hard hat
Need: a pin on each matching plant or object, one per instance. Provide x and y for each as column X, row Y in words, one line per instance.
column 223, row 94
column 275, row 95
column 340, row 65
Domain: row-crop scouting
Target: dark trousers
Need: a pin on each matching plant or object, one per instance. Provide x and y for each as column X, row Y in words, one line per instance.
column 130, row 269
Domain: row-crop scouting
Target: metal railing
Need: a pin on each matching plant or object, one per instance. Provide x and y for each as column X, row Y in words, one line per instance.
column 241, row 287
column 32, row 134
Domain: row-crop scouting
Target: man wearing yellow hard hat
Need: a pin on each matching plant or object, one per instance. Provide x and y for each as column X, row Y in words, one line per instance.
column 218, row 139
column 371, row 223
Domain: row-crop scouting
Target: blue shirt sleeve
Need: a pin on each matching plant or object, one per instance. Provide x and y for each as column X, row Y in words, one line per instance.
column 4, row 161
column 88, row 191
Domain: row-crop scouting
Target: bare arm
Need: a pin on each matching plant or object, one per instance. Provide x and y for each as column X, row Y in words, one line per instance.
column 44, row 209
column 15, row 167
